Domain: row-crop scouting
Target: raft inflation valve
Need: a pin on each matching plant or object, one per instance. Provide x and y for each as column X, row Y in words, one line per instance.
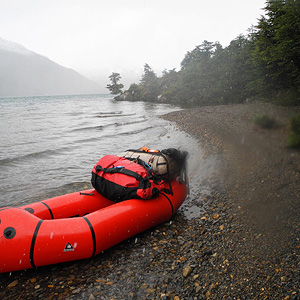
column 9, row 232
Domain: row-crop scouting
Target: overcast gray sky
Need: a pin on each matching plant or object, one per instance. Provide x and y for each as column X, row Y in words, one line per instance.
column 104, row 36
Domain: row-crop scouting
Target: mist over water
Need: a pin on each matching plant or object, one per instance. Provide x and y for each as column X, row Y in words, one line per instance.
column 50, row 143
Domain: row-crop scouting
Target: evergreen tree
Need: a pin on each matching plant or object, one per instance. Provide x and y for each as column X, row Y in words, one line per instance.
column 149, row 76
column 115, row 88
column 235, row 71
column 150, row 84
column 277, row 43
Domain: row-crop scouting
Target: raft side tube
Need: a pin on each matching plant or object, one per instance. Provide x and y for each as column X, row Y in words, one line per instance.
column 17, row 229
column 63, row 240
column 71, row 205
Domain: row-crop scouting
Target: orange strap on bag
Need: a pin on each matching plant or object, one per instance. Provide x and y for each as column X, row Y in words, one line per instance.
column 145, row 149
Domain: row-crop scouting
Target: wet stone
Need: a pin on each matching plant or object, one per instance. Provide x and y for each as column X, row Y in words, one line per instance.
column 187, row 271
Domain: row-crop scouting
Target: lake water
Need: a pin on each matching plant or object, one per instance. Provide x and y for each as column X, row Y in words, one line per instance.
column 49, row 145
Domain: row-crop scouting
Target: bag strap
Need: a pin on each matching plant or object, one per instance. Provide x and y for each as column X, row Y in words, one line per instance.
column 143, row 164
column 168, row 172
column 121, row 170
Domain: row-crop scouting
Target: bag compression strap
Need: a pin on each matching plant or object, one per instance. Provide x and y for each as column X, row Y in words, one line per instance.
column 121, row 170
column 168, row 172
column 143, row 164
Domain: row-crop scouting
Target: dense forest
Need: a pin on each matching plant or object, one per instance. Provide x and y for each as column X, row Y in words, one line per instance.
column 265, row 64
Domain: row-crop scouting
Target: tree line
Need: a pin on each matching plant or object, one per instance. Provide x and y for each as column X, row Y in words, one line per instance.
column 264, row 64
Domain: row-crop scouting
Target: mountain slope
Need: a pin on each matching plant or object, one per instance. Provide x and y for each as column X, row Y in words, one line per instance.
column 25, row 73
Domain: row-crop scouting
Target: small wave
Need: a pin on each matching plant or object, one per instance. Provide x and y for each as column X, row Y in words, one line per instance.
column 121, row 133
column 136, row 131
column 74, row 113
column 88, row 128
column 102, row 127
column 20, row 143
column 109, row 114
column 130, row 123
column 86, row 140
column 35, row 155
column 115, row 115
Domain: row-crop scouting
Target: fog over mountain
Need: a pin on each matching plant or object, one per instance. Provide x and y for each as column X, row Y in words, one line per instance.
column 26, row 73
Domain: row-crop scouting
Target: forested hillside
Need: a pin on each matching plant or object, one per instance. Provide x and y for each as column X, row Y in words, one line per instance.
column 265, row 64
